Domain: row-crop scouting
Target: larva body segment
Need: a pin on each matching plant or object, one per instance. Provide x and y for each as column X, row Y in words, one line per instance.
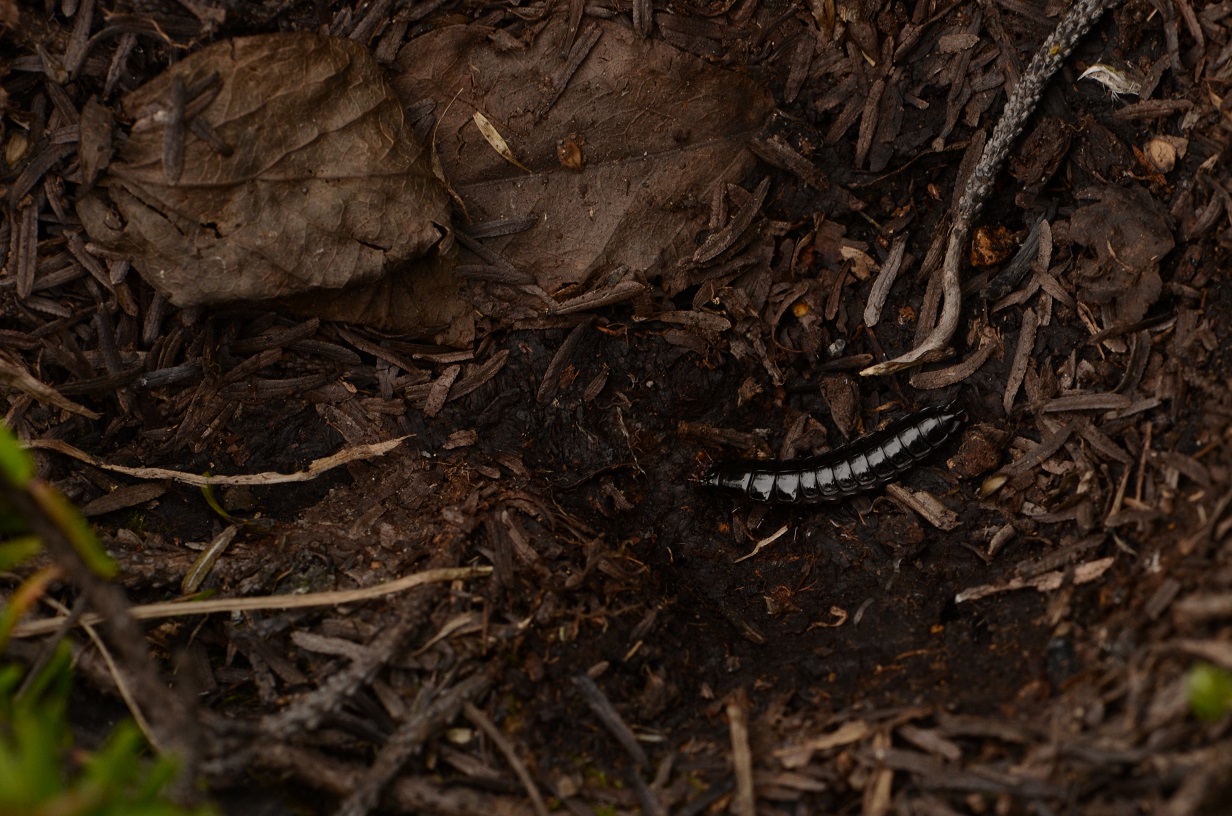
column 862, row 465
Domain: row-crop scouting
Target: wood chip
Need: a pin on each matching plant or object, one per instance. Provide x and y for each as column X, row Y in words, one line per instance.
column 930, row 740
column 1101, row 443
column 438, row 393
column 926, row 505
column 124, row 497
column 885, row 279
column 1022, row 356
column 479, row 375
column 797, row 756
column 1048, row 582
column 990, row 343
column 625, row 290
column 550, row 386
column 1218, row 652
column 742, row 755
column 878, row 790
column 1202, row 608
column 1032, row 458
column 1162, row 598
column 1087, row 402
column 725, row 238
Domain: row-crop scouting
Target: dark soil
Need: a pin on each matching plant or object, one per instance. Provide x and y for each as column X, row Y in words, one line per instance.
column 643, row 643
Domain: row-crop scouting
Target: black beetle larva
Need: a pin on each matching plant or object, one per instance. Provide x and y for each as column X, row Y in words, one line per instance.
column 861, row 465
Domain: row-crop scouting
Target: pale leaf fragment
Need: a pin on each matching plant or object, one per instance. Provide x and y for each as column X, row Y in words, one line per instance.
column 494, row 138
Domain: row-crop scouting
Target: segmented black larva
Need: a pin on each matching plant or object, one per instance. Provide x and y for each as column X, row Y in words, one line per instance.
column 863, row 464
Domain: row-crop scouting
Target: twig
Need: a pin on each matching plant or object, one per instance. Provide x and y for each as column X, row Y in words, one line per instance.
column 1022, row 103
column 308, row 711
column 765, row 542
column 14, row 375
column 885, row 279
column 171, row 609
column 126, row 692
column 409, row 738
column 742, row 755
column 407, row 794
column 611, row 719
column 616, row 726
column 315, row 468
column 485, row 724
column 1083, row 573
column 1022, row 357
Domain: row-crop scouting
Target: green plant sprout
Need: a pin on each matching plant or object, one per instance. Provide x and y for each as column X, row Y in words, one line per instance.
column 42, row 772
column 1210, row 692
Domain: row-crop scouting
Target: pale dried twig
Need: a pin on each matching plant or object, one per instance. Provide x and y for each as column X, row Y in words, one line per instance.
column 315, row 468
column 1018, row 109
column 266, row 602
column 765, row 542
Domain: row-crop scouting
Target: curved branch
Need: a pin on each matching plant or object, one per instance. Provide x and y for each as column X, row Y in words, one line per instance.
column 1022, row 103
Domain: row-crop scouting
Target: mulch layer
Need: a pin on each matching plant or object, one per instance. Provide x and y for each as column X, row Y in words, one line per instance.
column 710, row 218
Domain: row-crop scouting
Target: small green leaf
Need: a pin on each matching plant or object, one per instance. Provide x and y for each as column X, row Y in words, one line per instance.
column 1210, row 692
column 207, row 491
column 16, row 550
column 41, row 772
column 51, row 685
column 16, row 466
column 117, row 763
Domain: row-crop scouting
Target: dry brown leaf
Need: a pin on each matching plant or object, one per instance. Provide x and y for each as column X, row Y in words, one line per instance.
column 422, row 300
column 298, row 175
column 661, row 128
column 1129, row 232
